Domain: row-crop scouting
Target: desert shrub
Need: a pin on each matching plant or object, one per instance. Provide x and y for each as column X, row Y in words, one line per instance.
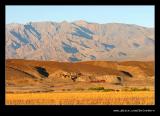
column 106, row 90
column 117, row 90
column 79, row 89
column 118, row 83
column 139, row 89
column 102, row 89
column 66, row 89
column 135, row 89
column 96, row 88
column 146, row 89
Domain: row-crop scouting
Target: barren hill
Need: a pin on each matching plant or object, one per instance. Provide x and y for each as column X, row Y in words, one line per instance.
column 30, row 75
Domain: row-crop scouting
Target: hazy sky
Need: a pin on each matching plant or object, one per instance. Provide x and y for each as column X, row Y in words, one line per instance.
column 139, row 15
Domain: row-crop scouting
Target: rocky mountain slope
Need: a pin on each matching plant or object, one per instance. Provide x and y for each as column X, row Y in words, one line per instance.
column 79, row 41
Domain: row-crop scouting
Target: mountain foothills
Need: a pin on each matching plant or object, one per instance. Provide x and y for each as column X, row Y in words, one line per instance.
column 79, row 41
column 42, row 76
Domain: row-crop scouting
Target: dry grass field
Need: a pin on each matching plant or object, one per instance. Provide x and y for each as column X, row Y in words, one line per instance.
column 82, row 98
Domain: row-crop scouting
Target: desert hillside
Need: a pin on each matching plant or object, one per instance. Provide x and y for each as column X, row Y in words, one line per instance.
column 45, row 76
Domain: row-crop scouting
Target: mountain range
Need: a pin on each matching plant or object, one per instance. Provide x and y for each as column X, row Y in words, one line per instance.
column 79, row 41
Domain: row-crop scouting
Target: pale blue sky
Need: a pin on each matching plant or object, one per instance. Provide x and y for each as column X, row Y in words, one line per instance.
column 139, row 15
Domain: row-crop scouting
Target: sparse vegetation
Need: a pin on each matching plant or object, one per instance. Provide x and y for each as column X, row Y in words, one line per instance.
column 66, row 89
column 107, row 90
column 101, row 89
column 139, row 89
column 96, row 88
column 80, row 89
column 135, row 89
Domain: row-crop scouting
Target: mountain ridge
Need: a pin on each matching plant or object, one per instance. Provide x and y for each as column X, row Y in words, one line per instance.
column 78, row 21
column 79, row 41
